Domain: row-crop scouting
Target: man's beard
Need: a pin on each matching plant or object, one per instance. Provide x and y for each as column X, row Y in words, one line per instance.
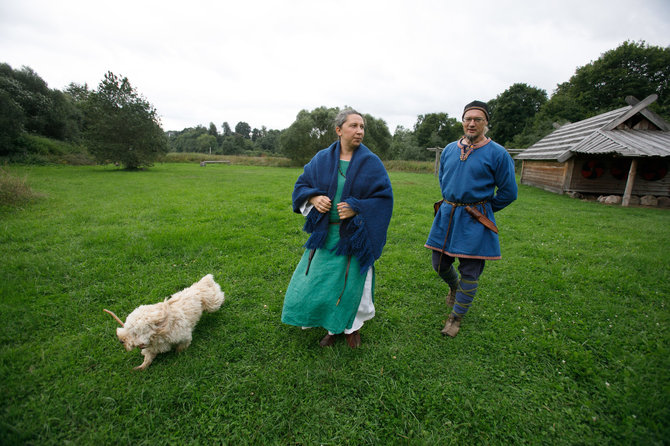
column 472, row 138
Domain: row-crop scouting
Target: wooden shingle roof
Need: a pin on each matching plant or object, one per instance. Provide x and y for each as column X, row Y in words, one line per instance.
column 625, row 142
column 605, row 134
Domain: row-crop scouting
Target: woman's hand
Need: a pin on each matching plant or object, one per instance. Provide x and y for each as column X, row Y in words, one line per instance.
column 344, row 210
column 321, row 203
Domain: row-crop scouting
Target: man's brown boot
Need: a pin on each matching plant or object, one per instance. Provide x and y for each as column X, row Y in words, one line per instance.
column 452, row 326
column 451, row 297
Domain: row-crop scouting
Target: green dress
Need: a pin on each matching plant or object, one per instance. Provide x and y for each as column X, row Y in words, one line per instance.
column 312, row 299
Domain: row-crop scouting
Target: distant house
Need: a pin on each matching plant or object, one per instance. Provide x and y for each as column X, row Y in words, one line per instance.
column 621, row 152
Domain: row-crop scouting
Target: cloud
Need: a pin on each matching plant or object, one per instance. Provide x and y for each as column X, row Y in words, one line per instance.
column 263, row 61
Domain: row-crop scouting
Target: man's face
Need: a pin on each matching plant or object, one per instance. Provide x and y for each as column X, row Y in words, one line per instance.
column 474, row 123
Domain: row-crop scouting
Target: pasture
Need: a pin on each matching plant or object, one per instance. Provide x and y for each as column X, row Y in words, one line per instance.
column 567, row 341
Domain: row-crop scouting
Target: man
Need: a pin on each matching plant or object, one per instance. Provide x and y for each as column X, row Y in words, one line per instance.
column 464, row 226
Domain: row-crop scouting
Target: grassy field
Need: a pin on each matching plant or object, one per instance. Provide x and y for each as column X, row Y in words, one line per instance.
column 567, row 341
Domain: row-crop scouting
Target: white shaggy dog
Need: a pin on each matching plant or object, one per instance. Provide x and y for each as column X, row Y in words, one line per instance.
column 156, row 328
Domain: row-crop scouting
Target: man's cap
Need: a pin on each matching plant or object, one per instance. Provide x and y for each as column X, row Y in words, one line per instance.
column 477, row 105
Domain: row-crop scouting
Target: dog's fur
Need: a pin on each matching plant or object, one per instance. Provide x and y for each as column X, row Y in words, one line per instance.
column 156, row 328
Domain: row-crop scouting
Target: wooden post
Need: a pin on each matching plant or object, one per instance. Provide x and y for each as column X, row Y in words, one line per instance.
column 438, row 152
column 567, row 175
column 629, row 183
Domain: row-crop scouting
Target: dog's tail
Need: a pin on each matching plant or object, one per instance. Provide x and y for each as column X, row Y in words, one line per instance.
column 212, row 301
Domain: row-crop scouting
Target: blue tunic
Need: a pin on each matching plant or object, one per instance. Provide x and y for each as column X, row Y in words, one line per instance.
column 487, row 175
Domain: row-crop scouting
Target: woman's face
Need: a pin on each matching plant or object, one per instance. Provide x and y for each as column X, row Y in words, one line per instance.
column 352, row 131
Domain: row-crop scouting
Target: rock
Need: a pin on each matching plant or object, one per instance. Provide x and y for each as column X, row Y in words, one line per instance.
column 649, row 200
column 612, row 199
column 664, row 202
column 634, row 200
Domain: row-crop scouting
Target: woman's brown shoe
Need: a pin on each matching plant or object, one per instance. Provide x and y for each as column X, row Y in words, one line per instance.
column 327, row 340
column 354, row 339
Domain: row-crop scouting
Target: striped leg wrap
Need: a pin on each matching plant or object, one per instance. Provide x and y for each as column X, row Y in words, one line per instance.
column 464, row 296
column 450, row 276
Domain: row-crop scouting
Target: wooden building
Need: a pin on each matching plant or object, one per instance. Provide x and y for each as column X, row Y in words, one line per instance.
column 621, row 152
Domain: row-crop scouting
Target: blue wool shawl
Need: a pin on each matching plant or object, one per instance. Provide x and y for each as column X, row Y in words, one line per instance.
column 367, row 189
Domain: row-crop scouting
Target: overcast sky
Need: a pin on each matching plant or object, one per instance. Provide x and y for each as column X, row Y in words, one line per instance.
column 262, row 61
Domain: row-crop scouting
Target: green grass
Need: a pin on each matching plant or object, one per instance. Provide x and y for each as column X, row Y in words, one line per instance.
column 566, row 343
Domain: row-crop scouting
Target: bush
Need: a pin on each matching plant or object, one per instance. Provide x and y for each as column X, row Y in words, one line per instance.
column 40, row 150
column 42, row 145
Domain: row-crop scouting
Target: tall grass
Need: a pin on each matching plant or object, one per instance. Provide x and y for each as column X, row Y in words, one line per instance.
column 566, row 342
column 270, row 161
column 14, row 190
column 278, row 161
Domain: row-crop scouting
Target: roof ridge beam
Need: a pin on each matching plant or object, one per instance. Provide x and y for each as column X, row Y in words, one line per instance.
column 635, row 109
column 650, row 115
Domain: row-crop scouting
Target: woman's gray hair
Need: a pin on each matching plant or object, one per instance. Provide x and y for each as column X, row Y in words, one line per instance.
column 342, row 116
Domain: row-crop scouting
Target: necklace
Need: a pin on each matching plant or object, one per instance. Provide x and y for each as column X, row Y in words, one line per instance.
column 340, row 170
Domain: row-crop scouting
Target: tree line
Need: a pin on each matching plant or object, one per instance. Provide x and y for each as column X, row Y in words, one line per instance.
column 115, row 123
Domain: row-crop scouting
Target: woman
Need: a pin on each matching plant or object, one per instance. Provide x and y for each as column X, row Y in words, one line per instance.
column 345, row 194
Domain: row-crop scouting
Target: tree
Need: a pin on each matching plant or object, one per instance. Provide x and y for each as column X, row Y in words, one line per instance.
column 268, row 140
column 435, row 130
column 11, row 123
column 635, row 69
column 122, row 126
column 377, row 136
column 243, row 129
column 43, row 111
column 512, row 110
column 186, row 140
column 226, row 129
column 205, row 143
column 236, row 144
column 404, row 146
column 315, row 130
column 31, row 93
column 309, row 133
column 64, row 118
column 212, row 130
